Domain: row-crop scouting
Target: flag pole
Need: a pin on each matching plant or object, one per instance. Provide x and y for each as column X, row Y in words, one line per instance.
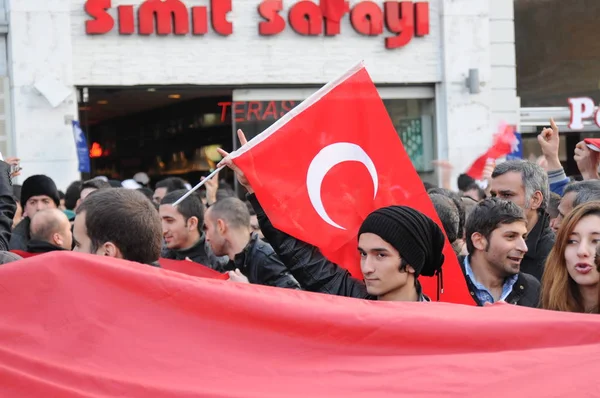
column 191, row 191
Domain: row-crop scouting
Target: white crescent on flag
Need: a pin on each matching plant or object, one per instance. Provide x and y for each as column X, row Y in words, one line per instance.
column 324, row 161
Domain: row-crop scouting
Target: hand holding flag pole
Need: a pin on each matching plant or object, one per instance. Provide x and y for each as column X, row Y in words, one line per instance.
column 191, row 191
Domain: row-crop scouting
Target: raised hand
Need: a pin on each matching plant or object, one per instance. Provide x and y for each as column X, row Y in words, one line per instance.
column 227, row 161
column 587, row 161
column 549, row 141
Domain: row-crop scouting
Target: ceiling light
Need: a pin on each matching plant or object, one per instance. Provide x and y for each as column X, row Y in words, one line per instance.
column 152, row 90
column 102, row 102
column 174, row 96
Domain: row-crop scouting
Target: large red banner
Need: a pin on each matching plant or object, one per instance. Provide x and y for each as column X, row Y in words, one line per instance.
column 76, row 325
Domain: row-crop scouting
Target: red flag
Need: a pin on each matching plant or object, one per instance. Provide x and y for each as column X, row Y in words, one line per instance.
column 76, row 325
column 504, row 140
column 322, row 168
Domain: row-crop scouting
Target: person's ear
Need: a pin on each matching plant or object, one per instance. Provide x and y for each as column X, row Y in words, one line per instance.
column 536, row 200
column 192, row 223
column 221, row 226
column 110, row 250
column 57, row 239
column 410, row 269
column 479, row 241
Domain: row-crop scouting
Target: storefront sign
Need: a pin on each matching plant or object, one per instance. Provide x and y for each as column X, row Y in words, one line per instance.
column 582, row 108
column 172, row 16
column 255, row 111
column 405, row 19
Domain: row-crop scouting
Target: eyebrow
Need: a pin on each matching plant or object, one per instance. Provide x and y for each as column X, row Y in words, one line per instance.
column 506, row 191
column 375, row 249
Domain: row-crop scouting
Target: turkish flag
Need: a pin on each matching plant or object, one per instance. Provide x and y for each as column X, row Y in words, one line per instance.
column 321, row 169
column 76, row 325
column 191, row 268
column 504, row 140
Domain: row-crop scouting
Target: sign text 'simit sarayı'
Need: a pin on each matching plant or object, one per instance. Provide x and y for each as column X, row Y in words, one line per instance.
column 404, row 19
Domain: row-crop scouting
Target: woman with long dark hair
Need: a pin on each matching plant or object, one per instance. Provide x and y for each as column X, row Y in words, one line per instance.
column 571, row 278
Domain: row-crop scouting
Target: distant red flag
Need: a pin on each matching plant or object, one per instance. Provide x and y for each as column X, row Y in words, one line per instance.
column 503, row 143
column 323, row 167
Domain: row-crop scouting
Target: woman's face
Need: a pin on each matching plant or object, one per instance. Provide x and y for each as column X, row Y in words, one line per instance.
column 581, row 250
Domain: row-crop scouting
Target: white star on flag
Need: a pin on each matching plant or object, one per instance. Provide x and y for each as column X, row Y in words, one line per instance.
column 515, row 145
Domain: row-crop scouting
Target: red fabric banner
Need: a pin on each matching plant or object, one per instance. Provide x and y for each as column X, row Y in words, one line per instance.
column 76, row 325
column 322, row 168
column 191, row 268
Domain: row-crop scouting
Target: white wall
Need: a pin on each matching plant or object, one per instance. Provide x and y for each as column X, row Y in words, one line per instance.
column 48, row 39
column 245, row 56
column 40, row 47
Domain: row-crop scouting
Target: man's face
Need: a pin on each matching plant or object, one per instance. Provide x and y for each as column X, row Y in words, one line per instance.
column 509, row 186
column 83, row 244
column 380, row 265
column 159, row 194
column 506, row 248
column 213, row 231
column 178, row 233
column 38, row 203
column 564, row 208
column 85, row 192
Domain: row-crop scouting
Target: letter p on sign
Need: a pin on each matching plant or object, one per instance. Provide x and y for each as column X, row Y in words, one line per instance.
column 581, row 108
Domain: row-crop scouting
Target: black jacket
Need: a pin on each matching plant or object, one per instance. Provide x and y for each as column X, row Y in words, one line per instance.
column 259, row 263
column 199, row 253
column 8, row 206
column 539, row 243
column 39, row 246
column 306, row 263
column 525, row 291
column 20, row 235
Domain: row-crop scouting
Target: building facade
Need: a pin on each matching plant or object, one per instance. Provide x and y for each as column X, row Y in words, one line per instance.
column 447, row 79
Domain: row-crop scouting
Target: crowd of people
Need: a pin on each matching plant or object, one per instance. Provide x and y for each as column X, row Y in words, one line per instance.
column 525, row 234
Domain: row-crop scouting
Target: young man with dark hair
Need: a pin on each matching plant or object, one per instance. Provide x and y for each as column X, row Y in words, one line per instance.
column 37, row 193
column 181, row 230
column 228, row 231
column 526, row 184
column 119, row 223
column 166, row 186
column 90, row 186
column 397, row 244
column 496, row 232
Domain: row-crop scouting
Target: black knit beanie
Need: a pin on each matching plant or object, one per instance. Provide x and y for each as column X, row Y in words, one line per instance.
column 39, row 185
column 418, row 239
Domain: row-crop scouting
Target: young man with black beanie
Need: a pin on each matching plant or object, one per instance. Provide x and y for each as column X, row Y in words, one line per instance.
column 397, row 244
column 38, row 192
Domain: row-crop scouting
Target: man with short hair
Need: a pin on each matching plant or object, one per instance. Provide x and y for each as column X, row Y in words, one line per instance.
column 90, row 186
column 50, row 231
column 166, row 186
column 228, row 231
column 118, row 223
column 181, row 231
column 448, row 214
column 37, row 193
column 496, row 231
column 526, row 184
column 576, row 193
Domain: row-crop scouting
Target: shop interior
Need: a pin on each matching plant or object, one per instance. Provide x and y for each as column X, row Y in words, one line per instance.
column 175, row 131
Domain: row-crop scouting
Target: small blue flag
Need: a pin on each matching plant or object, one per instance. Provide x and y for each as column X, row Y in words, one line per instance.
column 517, row 149
column 83, row 153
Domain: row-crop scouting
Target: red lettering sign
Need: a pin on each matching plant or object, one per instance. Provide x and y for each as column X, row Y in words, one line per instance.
column 163, row 16
column 405, row 19
column 255, row 111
